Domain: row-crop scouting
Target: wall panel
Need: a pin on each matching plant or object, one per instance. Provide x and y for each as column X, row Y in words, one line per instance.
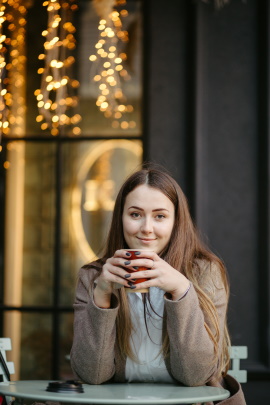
column 165, row 86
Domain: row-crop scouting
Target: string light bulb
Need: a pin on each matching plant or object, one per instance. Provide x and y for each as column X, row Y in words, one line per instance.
column 55, row 98
column 109, row 71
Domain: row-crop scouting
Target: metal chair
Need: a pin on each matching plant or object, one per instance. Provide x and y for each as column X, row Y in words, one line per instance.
column 6, row 367
column 237, row 353
column 5, row 345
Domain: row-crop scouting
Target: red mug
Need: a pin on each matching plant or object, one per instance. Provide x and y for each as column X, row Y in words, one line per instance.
column 133, row 256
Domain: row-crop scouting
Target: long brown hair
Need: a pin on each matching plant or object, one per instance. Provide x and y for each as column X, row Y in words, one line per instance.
column 184, row 253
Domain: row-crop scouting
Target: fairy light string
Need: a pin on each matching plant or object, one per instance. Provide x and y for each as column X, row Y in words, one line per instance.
column 12, row 65
column 3, row 111
column 108, row 62
column 56, row 99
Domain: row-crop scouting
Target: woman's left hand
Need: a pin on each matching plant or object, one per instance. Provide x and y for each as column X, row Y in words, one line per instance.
column 159, row 274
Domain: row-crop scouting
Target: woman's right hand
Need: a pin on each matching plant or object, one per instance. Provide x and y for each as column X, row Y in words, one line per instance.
column 111, row 277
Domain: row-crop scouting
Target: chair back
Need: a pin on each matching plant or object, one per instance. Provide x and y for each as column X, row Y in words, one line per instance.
column 6, row 367
column 237, row 353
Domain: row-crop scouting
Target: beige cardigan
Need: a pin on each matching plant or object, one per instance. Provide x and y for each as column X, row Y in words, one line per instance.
column 95, row 356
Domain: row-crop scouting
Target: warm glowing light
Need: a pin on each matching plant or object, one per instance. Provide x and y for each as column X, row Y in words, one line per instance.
column 104, row 105
column 118, row 68
column 115, row 124
column 124, row 13
column 12, row 20
column 76, row 131
column 54, row 131
column 108, row 63
column 124, row 125
column 56, row 93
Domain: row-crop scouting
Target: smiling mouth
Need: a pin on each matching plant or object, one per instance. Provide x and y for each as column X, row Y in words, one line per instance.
column 146, row 240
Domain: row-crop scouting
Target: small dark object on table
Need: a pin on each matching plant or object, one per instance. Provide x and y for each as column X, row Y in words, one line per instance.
column 65, row 386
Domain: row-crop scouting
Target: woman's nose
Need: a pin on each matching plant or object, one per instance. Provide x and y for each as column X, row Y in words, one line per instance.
column 147, row 226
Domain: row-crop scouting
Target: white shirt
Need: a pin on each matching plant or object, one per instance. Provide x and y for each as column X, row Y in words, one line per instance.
column 150, row 366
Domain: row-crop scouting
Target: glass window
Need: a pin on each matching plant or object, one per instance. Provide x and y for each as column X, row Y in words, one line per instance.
column 129, row 80
column 57, row 193
column 31, row 338
column 29, row 228
column 93, row 121
column 36, row 350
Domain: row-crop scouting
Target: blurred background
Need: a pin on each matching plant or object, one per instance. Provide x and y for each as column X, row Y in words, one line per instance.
column 89, row 90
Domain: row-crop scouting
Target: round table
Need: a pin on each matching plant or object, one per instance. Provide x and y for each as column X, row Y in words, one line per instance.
column 116, row 394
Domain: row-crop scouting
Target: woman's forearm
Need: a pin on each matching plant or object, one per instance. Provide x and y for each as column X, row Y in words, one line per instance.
column 192, row 356
column 93, row 349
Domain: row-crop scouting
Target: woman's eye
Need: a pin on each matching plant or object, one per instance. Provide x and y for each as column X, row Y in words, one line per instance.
column 135, row 215
column 160, row 216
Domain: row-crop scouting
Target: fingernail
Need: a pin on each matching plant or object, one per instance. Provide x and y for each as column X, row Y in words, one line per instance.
column 127, row 275
column 127, row 262
column 133, row 279
column 128, row 254
column 130, row 283
column 133, row 286
column 135, row 268
column 137, row 253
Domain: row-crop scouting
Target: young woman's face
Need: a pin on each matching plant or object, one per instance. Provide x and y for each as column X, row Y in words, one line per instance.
column 148, row 219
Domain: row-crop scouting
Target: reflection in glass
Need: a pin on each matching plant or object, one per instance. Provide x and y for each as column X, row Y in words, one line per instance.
column 93, row 174
column 36, row 337
column 38, row 224
column 30, row 211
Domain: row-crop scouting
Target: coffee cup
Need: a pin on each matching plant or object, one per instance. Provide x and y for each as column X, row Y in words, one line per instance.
column 133, row 256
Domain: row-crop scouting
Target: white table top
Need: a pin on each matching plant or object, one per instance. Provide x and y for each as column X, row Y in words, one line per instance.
column 140, row 394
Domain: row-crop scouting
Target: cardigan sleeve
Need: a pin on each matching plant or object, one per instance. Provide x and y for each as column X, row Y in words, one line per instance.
column 192, row 359
column 93, row 350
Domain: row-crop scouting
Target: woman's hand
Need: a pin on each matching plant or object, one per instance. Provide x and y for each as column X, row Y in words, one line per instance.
column 112, row 277
column 160, row 274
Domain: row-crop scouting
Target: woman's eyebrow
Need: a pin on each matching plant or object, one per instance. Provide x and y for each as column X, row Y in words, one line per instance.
column 141, row 209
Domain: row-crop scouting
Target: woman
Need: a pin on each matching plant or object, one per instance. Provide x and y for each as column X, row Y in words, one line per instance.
column 175, row 333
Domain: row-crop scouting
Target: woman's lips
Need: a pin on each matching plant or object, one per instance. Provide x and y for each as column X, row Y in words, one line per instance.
column 146, row 240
